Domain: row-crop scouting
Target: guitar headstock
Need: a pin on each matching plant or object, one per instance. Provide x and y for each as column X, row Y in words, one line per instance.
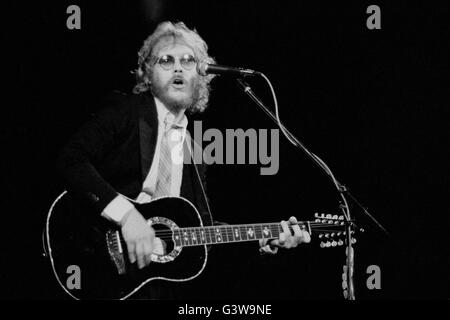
column 330, row 229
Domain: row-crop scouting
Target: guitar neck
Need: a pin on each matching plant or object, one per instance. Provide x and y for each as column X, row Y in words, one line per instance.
column 197, row 236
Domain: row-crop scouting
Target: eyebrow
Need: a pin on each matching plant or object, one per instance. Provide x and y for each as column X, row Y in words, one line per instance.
column 182, row 54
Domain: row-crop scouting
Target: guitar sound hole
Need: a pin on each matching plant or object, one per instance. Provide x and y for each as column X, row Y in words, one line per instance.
column 165, row 234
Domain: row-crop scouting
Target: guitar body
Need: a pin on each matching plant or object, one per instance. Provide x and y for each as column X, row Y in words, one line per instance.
column 90, row 260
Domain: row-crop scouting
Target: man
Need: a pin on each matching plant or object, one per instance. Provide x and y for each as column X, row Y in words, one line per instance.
column 125, row 150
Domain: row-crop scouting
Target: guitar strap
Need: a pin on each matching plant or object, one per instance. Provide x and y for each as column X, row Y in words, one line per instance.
column 191, row 145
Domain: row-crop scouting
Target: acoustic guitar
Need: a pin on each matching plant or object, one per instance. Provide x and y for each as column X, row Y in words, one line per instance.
column 88, row 246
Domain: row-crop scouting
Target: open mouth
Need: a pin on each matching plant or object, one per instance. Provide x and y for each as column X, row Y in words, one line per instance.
column 178, row 83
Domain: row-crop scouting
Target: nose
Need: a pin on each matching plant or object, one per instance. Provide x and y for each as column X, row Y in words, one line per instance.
column 177, row 66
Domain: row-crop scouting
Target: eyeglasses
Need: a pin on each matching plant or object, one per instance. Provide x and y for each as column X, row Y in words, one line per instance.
column 167, row 61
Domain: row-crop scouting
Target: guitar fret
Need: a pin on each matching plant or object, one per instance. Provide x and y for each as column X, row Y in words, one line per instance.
column 217, row 235
column 223, row 232
column 208, row 235
column 190, row 236
column 193, row 237
column 198, row 235
column 274, row 230
column 202, row 236
column 243, row 232
column 229, row 231
column 250, row 231
column 177, row 237
column 266, row 232
column 258, row 231
column 236, row 234
column 185, row 237
column 212, row 235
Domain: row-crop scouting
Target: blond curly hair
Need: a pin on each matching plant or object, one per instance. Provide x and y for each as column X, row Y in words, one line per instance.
column 146, row 55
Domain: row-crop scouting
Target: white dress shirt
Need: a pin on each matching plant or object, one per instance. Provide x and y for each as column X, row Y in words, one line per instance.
column 119, row 206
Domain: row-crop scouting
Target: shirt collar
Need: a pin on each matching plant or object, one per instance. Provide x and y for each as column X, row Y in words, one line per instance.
column 163, row 112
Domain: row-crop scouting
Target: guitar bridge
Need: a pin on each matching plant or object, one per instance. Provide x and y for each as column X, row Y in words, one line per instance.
column 115, row 251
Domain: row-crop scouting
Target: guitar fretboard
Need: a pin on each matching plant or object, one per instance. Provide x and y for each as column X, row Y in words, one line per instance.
column 226, row 234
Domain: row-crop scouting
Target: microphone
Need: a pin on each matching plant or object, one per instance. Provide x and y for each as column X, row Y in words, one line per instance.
column 204, row 69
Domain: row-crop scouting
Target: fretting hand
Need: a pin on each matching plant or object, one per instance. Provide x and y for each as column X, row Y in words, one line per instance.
column 286, row 239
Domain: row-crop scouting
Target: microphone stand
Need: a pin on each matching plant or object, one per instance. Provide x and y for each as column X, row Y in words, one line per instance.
column 349, row 294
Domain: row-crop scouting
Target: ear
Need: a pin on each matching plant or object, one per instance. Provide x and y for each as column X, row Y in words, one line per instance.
column 147, row 80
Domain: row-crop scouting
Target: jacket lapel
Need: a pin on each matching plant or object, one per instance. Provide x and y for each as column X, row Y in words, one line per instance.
column 148, row 133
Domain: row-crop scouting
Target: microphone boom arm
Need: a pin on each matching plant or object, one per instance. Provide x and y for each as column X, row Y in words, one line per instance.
column 350, row 292
column 341, row 188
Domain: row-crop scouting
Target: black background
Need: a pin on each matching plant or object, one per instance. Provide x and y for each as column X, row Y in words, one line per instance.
column 368, row 102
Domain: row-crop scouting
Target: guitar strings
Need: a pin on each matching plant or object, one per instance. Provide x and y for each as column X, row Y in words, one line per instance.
column 232, row 228
column 169, row 238
column 168, row 234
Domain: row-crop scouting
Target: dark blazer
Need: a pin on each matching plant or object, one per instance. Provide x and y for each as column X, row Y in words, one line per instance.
column 113, row 153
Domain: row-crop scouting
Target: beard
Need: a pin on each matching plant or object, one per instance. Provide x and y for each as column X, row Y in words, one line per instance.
column 176, row 102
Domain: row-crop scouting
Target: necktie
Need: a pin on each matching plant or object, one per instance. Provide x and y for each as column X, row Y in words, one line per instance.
column 163, row 182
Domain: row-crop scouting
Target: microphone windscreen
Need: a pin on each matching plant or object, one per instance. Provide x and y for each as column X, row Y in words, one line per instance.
column 201, row 68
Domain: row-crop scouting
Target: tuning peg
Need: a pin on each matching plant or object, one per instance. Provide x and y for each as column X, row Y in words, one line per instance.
column 327, row 235
column 353, row 240
column 335, row 217
column 316, row 215
column 333, row 243
column 341, row 217
column 332, row 235
column 340, row 242
column 320, row 235
column 325, row 244
column 322, row 215
column 317, row 220
column 328, row 216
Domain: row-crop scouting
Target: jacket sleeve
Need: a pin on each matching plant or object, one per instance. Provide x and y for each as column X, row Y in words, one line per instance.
column 78, row 160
